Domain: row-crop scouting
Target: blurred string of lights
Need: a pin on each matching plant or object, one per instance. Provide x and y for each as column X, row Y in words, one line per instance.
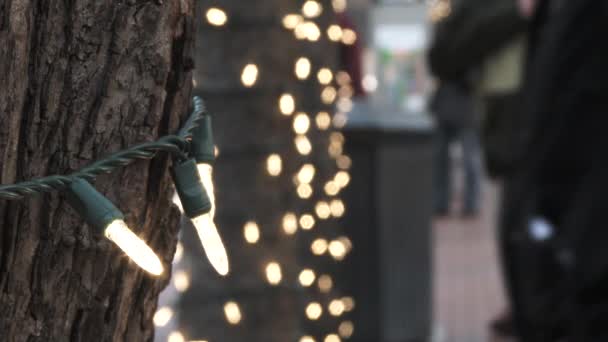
column 192, row 152
column 335, row 91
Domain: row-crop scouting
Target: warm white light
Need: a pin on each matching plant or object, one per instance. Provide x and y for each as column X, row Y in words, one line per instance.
column 179, row 253
column 332, row 338
column 212, row 243
column 312, row 9
column 339, row 5
column 343, row 78
column 306, row 174
column 325, row 76
column 337, row 249
column 349, row 37
column 304, row 191
column 307, row 221
column 334, row 33
column 301, row 123
column 290, row 223
column 216, row 16
column 369, row 83
column 303, row 145
column 232, row 313
column 181, row 280
column 287, row 104
column 302, row 68
column 325, row 283
column 249, row 75
column 337, row 208
column 290, row 21
column 323, row 210
column 274, row 165
column 342, row 178
column 134, row 247
column 344, row 162
column 346, row 329
column 328, row 95
column 314, row 310
column 307, row 339
column 331, row 188
column 251, row 231
column 349, row 303
column 319, row 246
column 307, row 30
column 176, row 336
column 273, row 273
column 307, row 277
column 323, row 120
column 336, row 307
column 162, row 316
column 334, row 149
column 336, row 138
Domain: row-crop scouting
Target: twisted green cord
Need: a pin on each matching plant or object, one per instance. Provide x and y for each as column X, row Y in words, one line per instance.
column 178, row 145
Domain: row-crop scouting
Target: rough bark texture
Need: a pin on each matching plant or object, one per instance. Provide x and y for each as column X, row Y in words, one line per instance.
column 78, row 80
column 249, row 128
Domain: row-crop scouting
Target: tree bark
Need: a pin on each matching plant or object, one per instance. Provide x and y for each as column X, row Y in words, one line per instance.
column 78, row 80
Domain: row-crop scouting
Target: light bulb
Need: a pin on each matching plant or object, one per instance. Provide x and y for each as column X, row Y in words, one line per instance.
column 314, row 310
column 303, row 145
column 163, row 316
column 328, row 95
column 325, row 283
column 302, row 68
column 273, row 273
column 344, row 162
column 290, row 223
column 336, row 307
column 343, row 78
column 181, row 280
column 251, row 231
column 232, row 313
column 325, row 76
column 342, row 178
column 349, row 37
column 287, row 104
column 337, row 208
column 312, row 9
column 307, row 339
column 337, row 249
column 274, row 165
column 290, row 21
column 304, row 191
column 301, row 123
column 346, row 329
column 319, row 246
column 306, row 174
column 306, row 277
column 249, row 75
column 307, row 221
column 212, row 243
column 323, row 210
column 334, row 33
column 331, row 188
column 349, row 303
column 323, row 120
column 216, row 16
column 176, row 336
column 339, row 5
column 134, row 247
column 332, row 338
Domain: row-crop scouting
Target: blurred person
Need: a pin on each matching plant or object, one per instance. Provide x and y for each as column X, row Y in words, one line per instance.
column 490, row 36
column 452, row 106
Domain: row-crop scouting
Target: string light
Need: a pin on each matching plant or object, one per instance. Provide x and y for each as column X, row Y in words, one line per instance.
column 176, row 336
column 337, row 249
column 339, row 5
column 306, row 277
column 301, row 123
column 332, row 338
column 344, row 162
column 251, row 231
column 273, row 273
column 307, row 30
column 337, row 208
column 249, row 75
column 181, row 281
column 349, row 37
column 314, row 311
column 323, row 120
column 306, row 174
column 336, row 307
column 334, row 33
column 344, row 104
column 325, row 76
column 312, row 9
column 349, row 303
column 307, row 221
column 134, row 247
column 322, row 210
column 302, row 68
column 232, row 313
column 216, row 16
column 328, row 95
column 346, row 329
column 290, row 223
column 274, row 165
column 304, row 191
column 291, row 21
column 331, row 188
column 342, row 178
column 325, row 283
column 163, row 316
column 287, row 104
column 303, row 145
column 343, row 78
column 319, row 246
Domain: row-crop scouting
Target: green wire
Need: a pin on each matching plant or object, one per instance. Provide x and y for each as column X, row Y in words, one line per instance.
column 177, row 145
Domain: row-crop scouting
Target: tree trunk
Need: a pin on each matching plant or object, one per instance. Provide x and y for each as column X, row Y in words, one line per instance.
column 78, row 80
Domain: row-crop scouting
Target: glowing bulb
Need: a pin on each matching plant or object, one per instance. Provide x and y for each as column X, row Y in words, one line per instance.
column 273, row 273
column 323, row 210
column 212, row 243
column 339, row 5
column 314, row 310
column 307, row 221
column 346, row 242
column 342, row 178
column 287, row 104
column 290, row 223
column 332, row 338
column 290, row 21
column 325, row 283
column 343, row 78
column 216, row 16
column 312, row 9
column 325, row 76
column 274, row 165
column 176, row 336
column 349, row 37
column 179, row 253
column 232, row 313
column 337, row 249
column 304, row 191
column 344, row 162
column 335, row 149
column 162, row 316
column 251, row 231
column 307, row 339
column 319, row 246
column 349, row 303
column 337, row 208
column 307, row 277
column 323, row 120
column 307, row 30
column 134, row 247
column 346, row 329
column 331, row 188
column 301, row 123
column 306, row 174
column 303, row 145
column 181, row 280
column 302, row 68
column 328, row 95
column 334, row 33
column 336, row 138
column 249, row 75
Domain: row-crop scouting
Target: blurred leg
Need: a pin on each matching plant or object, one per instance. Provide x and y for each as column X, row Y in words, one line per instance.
column 472, row 170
